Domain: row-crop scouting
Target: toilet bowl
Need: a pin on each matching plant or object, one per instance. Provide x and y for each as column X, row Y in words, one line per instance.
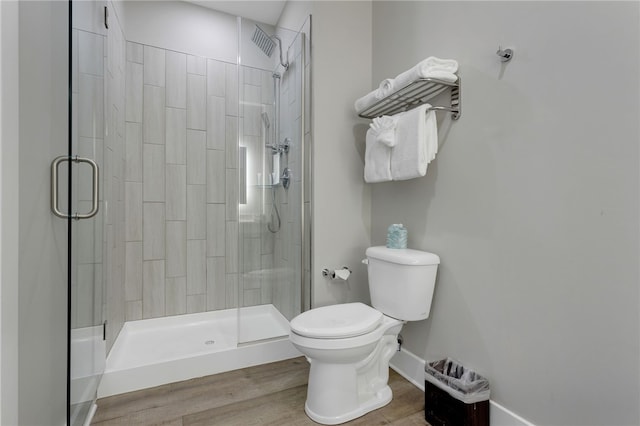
column 349, row 345
column 349, row 365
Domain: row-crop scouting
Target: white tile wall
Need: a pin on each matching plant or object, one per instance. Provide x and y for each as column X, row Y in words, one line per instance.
column 133, row 271
column 197, row 65
column 135, row 53
column 153, row 224
column 188, row 248
column 176, row 77
column 133, row 165
column 216, row 122
column 216, row 230
column 176, row 136
column 154, row 66
column 196, row 102
column 176, row 194
column 176, row 255
column 153, row 115
column 175, row 296
column 196, row 157
column 216, row 176
column 133, row 211
column 196, row 266
column 196, row 212
column 133, row 94
column 216, row 283
column 153, row 289
column 153, row 168
column 216, row 80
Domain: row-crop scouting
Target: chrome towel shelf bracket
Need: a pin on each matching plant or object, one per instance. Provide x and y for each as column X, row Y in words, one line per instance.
column 415, row 94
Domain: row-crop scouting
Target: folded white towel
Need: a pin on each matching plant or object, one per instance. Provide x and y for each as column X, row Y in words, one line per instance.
column 417, row 143
column 367, row 100
column 384, row 129
column 377, row 159
column 386, row 87
column 431, row 67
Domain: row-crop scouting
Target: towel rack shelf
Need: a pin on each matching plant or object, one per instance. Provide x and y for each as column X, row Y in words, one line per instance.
column 415, row 94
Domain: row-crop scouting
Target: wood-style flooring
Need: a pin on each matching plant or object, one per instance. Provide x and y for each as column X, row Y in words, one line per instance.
column 270, row 394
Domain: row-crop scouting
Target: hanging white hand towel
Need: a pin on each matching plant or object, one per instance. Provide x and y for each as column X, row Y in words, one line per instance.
column 417, row 143
column 380, row 141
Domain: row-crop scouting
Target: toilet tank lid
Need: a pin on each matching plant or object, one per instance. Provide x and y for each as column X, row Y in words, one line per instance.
column 403, row 256
column 337, row 321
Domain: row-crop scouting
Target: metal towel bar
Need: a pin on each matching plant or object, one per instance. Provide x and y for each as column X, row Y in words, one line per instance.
column 416, row 94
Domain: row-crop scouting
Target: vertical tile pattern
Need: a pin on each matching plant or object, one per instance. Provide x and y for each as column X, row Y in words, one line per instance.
column 153, row 170
column 176, row 296
column 176, row 77
column 154, row 66
column 196, row 267
column 176, row 135
column 176, row 195
column 196, row 212
column 153, row 128
column 215, row 123
column 190, row 246
column 196, row 102
column 133, row 141
column 134, row 92
column 153, row 231
column 153, row 289
column 196, row 157
column 176, row 255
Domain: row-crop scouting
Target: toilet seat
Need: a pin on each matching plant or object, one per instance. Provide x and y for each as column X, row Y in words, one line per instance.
column 337, row 321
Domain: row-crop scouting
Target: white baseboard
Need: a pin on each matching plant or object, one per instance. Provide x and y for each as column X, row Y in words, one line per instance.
column 411, row 367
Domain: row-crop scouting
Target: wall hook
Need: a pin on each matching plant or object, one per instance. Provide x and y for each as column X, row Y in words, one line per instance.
column 505, row 54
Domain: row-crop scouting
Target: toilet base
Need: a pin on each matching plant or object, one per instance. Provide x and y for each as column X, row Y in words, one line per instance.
column 379, row 400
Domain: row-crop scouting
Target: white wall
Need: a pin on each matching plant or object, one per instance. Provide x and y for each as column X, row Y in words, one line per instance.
column 42, row 249
column 341, row 72
column 532, row 201
column 9, row 218
column 182, row 27
column 196, row 30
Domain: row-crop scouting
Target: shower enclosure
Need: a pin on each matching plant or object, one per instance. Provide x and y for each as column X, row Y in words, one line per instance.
column 199, row 253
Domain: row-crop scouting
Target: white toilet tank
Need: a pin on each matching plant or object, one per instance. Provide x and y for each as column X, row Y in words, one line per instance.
column 401, row 281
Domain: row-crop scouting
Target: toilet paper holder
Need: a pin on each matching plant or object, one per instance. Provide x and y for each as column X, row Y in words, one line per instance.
column 337, row 274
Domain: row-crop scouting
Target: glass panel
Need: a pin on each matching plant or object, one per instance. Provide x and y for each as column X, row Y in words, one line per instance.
column 87, row 347
column 271, row 219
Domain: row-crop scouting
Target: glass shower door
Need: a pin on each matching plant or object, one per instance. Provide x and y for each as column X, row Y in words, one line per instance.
column 86, row 331
column 271, row 212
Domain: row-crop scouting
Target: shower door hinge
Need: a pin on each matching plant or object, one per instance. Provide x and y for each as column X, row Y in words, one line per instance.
column 104, row 330
column 106, row 17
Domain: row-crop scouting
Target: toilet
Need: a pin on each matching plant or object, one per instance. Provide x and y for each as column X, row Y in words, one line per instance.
column 349, row 345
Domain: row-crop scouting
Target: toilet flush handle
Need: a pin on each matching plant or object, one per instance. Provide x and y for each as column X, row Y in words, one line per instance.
column 365, row 261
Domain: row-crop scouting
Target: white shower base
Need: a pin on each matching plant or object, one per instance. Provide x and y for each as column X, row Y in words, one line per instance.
column 157, row 351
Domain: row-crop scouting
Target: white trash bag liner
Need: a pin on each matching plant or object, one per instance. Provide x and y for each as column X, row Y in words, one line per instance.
column 461, row 383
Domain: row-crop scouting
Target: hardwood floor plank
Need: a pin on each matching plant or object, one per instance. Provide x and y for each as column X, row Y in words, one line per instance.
column 270, row 394
column 281, row 408
column 175, row 400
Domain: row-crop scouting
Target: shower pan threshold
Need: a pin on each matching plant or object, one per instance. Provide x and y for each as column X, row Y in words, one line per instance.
column 157, row 351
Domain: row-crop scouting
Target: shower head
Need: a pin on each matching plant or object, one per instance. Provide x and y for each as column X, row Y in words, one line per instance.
column 265, row 120
column 265, row 43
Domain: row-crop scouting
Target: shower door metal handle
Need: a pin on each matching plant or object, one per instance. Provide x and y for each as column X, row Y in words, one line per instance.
column 54, row 187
